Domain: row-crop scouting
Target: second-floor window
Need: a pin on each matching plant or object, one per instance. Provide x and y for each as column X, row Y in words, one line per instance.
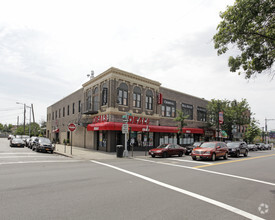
column 137, row 97
column 168, row 108
column 122, row 94
column 73, row 108
column 149, row 100
column 88, row 100
column 95, row 99
column 201, row 114
column 104, row 94
column 63, row 111
column 187, row 110
column 68, row 110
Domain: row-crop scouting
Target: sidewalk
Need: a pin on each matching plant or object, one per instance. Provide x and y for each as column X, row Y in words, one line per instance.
column 91, row 154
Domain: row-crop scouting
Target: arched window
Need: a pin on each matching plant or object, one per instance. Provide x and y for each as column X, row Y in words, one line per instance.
column 104, row 94
column 122, row 94
column 137, row 97
column 95, row 99
column 88, row 100
column 149, row 100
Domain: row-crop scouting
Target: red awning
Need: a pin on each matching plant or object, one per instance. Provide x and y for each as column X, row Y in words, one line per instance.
column 116, row 126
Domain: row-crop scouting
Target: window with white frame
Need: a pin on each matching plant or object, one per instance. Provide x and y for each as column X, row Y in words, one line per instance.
column 137, row 97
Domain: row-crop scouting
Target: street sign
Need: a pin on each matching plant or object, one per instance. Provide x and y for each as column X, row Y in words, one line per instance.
column 125, row 128
column 71, row 127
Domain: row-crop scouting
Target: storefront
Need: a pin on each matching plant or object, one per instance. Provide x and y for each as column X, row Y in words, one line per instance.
column 141, row 135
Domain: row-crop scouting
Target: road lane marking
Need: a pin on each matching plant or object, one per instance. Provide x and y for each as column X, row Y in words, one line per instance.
column 188, row 193
column 41, row 161
column 188, row 161
column 209, row 171
column 233, row 161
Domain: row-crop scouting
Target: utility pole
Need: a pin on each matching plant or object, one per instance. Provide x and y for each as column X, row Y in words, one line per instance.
column 32, row 113
column 24, row 117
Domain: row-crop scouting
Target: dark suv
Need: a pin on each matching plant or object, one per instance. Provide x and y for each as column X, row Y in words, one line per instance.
column 42, row 144
column 237, row 148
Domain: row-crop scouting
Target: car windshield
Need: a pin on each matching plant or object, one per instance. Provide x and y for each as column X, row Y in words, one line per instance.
column 17, row 140
column 233, row 144
column 208, row 145
column 197, row 144
column 45, row 141
column 162, row 146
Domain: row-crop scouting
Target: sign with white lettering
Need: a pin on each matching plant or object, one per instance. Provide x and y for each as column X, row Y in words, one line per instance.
column 125, row 129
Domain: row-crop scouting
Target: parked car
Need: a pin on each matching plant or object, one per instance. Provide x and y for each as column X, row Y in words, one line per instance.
column 11, row 136
column 31, row 142
column 43, row 144
column 260, row 146
column 210, row 150
column 166, row 150
column 17, row 142
column 191, row 147
column 237, row 148
column 267, row 147
column 252, row 147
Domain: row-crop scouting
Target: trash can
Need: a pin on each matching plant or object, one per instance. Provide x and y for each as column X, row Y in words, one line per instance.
column 119, row 151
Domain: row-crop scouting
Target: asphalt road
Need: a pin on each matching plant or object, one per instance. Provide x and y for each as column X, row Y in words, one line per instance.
column 49, row 186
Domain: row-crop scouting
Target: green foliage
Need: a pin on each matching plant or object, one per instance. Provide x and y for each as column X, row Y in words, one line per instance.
column 249, row 24
column 252, row 131
column 234, row 113
column 34, row 130
column 180, row 118
column 6, row 128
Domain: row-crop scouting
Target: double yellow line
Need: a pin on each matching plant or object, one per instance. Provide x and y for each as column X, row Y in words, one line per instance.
column 233, row 161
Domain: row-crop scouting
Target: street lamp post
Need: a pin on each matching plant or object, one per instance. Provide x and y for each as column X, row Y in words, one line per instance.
column 266, row 120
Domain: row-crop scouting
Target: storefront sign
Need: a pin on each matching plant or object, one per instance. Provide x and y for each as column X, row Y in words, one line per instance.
column 187, row 106
column 160, row 99
column 101, row 118
column 220, row 117
column 138, row 120
column 168, row 102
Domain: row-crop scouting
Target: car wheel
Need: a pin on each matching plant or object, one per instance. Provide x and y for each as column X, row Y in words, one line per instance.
column 194, row 158
column 153, row 155
column 164, row 154
column 225, row 156
column 213, row 157
column 51, row 151
column 180, row 154
column 237, row 154
column 246, row 153
column 186, row 153
column 36, row 150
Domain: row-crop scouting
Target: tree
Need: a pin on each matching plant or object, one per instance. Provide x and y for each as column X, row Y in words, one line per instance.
column 181, row 118
column 252, row 131
column 1, row 127
column 234, row 114
column 249, row 24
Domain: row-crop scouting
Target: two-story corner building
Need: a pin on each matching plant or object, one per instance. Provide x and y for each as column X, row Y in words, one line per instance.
column 97, row 109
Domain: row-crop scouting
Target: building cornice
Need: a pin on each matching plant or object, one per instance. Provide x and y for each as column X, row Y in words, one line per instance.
column 115, row 73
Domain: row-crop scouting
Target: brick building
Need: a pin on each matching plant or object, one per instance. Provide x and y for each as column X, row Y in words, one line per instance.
column 97, row 109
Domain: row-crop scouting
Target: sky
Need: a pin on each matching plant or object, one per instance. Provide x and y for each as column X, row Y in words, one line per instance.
column 47, row 48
